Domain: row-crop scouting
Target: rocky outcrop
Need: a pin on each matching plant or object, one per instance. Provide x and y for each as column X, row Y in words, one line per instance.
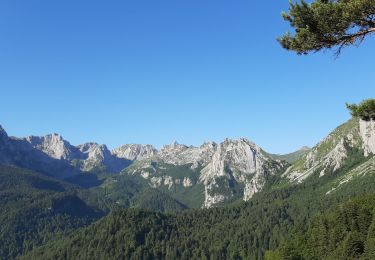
column 224, row 172
column 3, row 136
column 85, row 157
column 237, row 161
column 187, row 182
column 179, row 154
column 23, row 153
column 54, row 146
column 367, row 131
column 331, row 153
column 222, row 169
column 135, row 151
column 53, row 155
column 98, row 157
column 94, row 156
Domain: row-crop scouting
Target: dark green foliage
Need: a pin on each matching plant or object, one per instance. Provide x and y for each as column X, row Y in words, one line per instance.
column 85, row 180
column 192, row 197
column 280, row 220
column 134, row 234
column 155, row 200
column 126, row 234
column 347, row 233
column 121, row 188
column 239, row 231
column 324, row 24
column 365, row 110
column 133, row 191
column 36, row 208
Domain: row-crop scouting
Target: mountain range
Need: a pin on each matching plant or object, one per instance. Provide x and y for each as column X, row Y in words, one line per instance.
column 234, row 178
column 223, row 172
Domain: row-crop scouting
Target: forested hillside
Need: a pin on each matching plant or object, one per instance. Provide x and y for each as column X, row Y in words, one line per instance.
column 320, row 207
column 241, row 231
column 36, row 208
column 346, row 233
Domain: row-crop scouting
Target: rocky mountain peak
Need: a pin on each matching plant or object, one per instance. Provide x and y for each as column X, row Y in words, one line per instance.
column 304, row 148
column 3, row 135
column 208, row 145
column 3, row 132
column 94, row 156
column 238, row 161
column 86, row 147
column 220, row 170
column 240, row 154
column 53, row 145
column 135, row 151
column 367, row 132
column 94, row 150
column 174, row 147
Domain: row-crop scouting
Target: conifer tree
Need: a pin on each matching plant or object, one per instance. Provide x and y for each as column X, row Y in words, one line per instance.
column 326, row 24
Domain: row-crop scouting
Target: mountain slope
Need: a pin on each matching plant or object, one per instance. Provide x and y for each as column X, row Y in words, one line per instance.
column 217, row 173
column 134, row 192
column 346, row 233
column 352, row 141
column 54, row 156
column 36, row 208
column 209, row 175
column 20, row 152
column 242, row 231
column 334, row 171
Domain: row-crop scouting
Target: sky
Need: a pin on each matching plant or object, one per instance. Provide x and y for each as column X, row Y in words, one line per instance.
column 151, row 72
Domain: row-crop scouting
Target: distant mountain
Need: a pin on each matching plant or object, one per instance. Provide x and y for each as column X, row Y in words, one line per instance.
column 32, row 154
column 291, row 157
column 54, row 156
column 311, row 190
column 206, row 176
column 256, row 200
column 135, row 151
column 209, row 175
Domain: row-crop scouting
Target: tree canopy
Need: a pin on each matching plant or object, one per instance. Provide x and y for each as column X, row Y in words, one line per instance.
column 365, row 110
column 325, row 24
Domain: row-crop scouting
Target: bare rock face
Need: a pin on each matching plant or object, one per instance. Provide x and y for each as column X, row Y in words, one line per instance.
column 86, row 157
column 331, row 153
column 54, row 146
column 222, row 172
column 221, row 169
column 367, row 131
column 98, row 157
column 135, row 151
column 52, row 150
column 225, row 165
column 240, row 154
column 94, row 155
column 236, row 161
column 4, row 145
column 187, row 182
column 179, row 154
column 3, row 134
column 42, row 154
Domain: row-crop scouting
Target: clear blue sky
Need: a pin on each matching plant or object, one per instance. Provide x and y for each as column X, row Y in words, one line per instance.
column 138, row 71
